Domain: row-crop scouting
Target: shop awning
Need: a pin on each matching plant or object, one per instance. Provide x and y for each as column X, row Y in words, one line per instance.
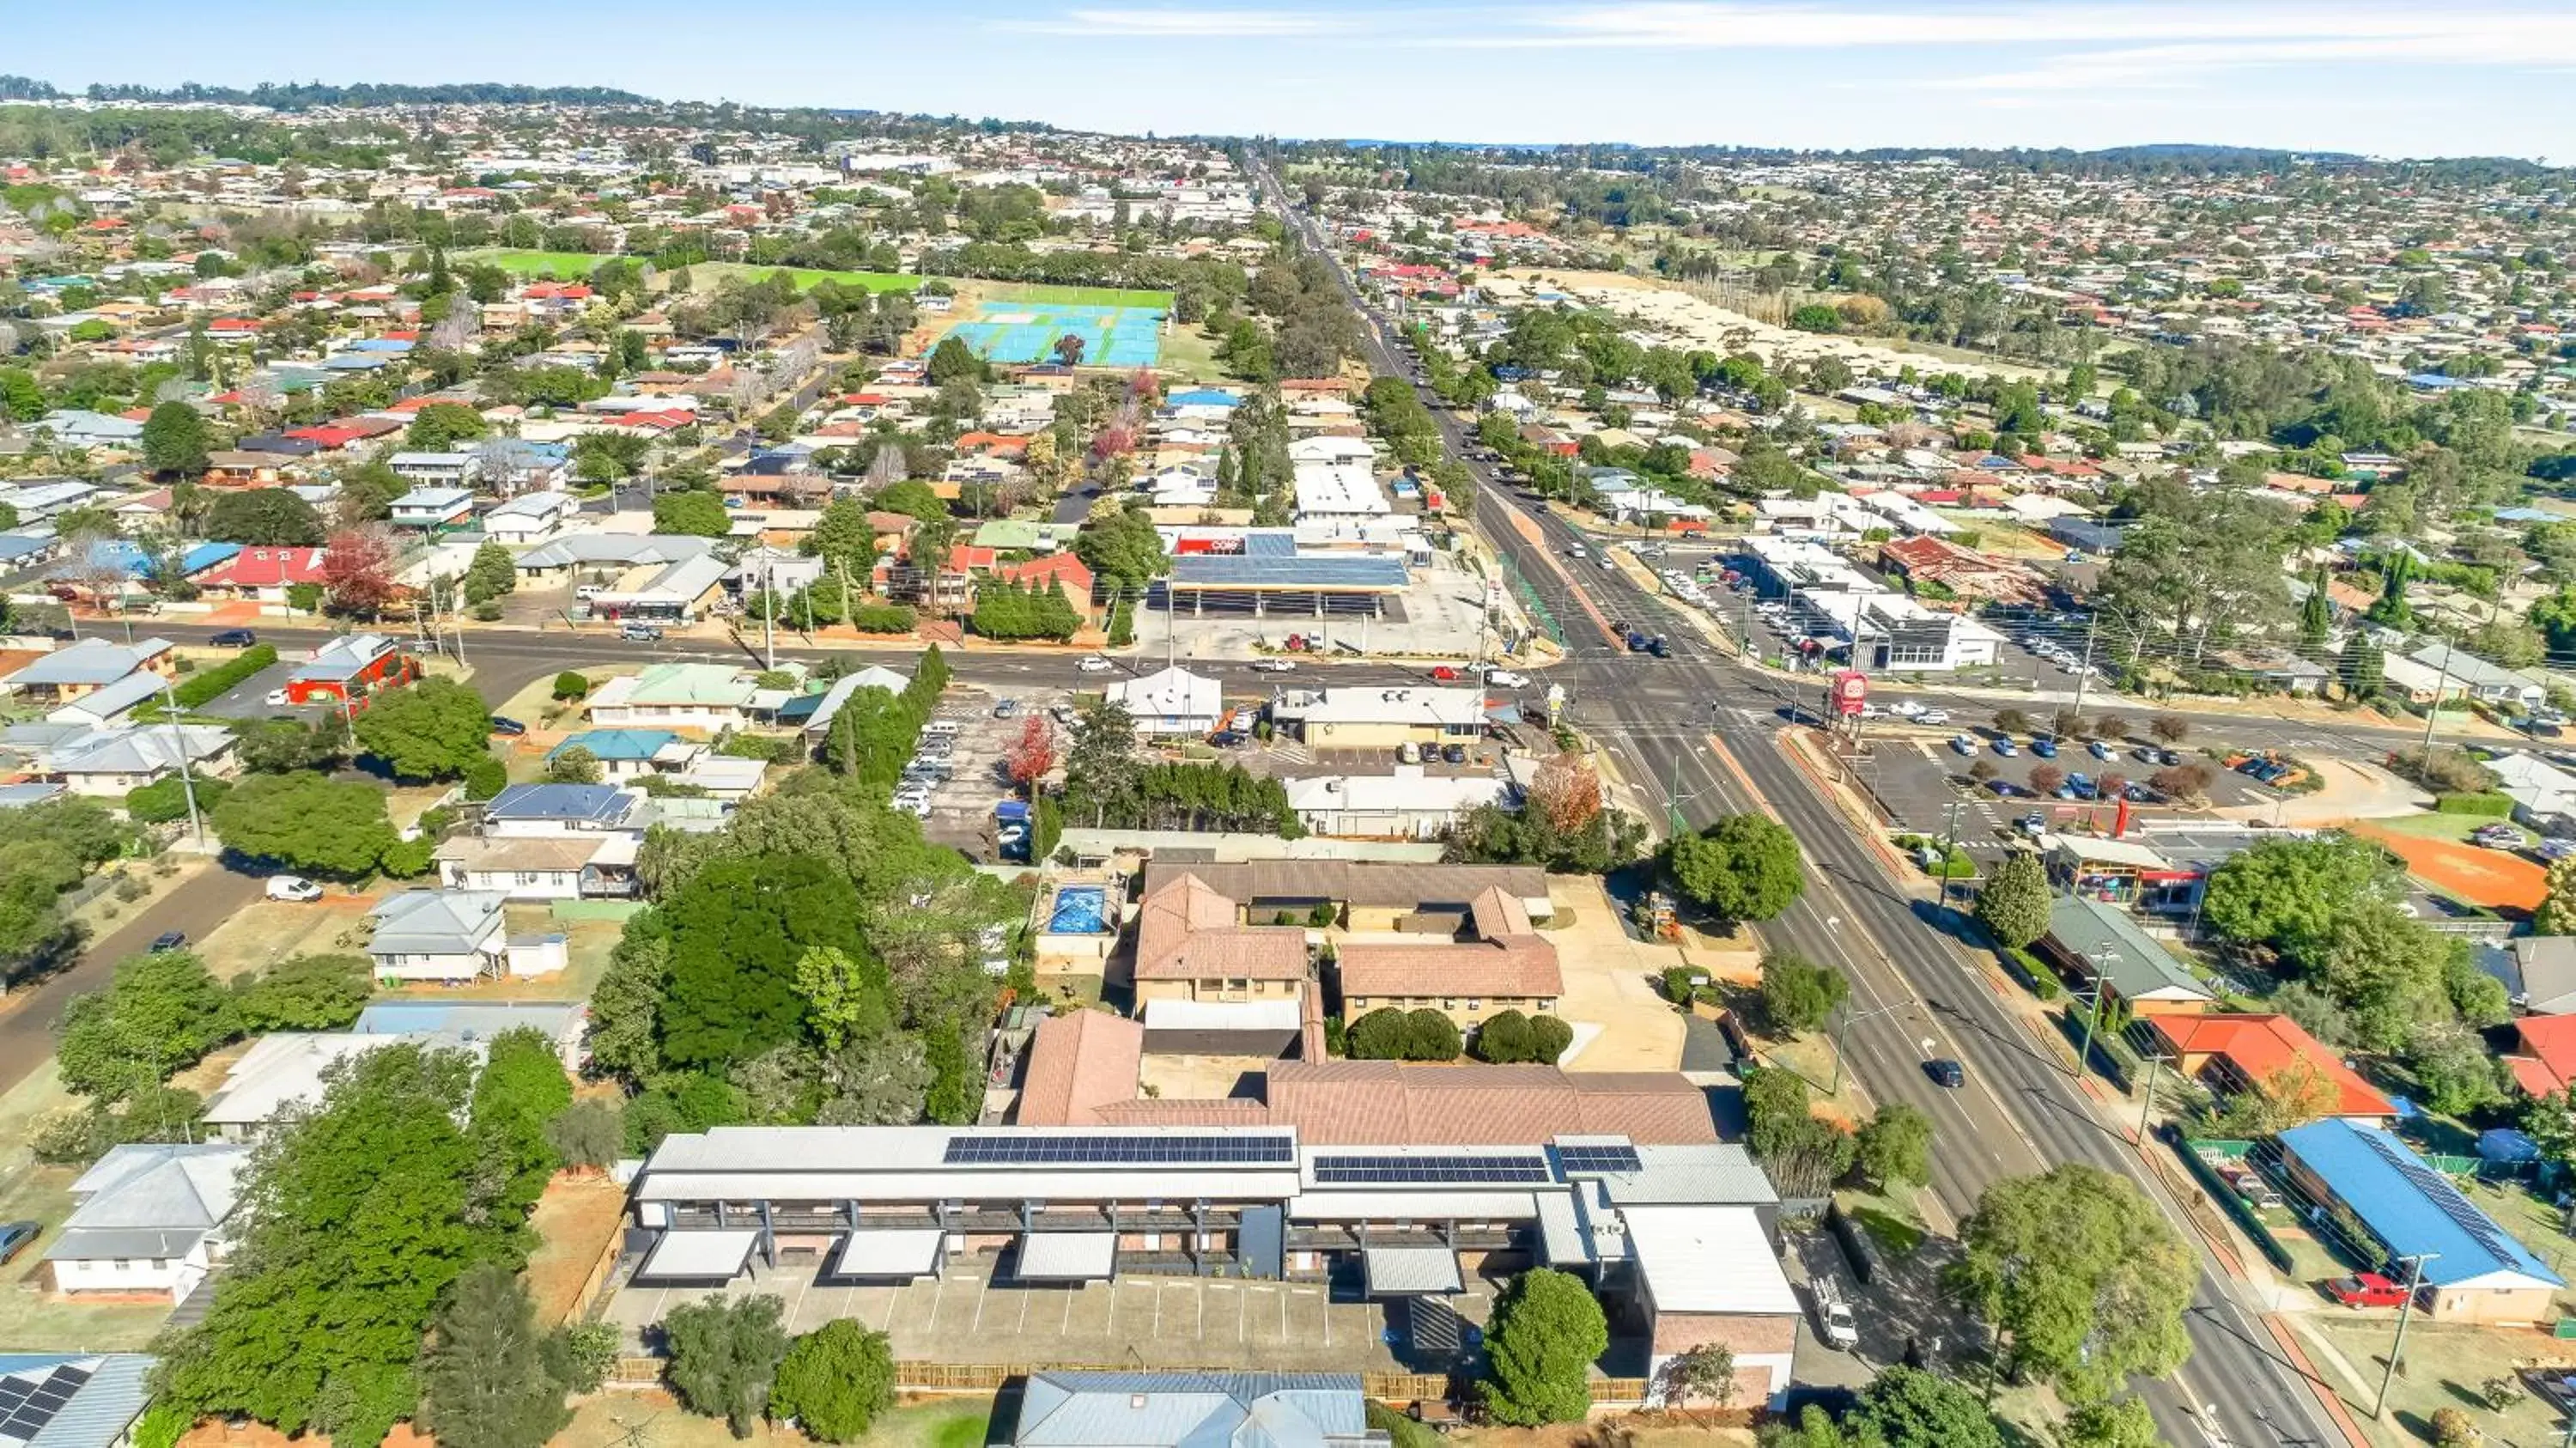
column 903, row 1253
column 698, row 1257
column 1068, row 1256
column 1410, row 1271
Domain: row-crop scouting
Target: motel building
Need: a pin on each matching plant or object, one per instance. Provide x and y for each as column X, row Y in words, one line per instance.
column 1678, row 1239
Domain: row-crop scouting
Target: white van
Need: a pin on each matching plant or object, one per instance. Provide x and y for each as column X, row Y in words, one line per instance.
column 941, row 728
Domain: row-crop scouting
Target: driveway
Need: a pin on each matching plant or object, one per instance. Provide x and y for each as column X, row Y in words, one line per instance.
column 197, row 907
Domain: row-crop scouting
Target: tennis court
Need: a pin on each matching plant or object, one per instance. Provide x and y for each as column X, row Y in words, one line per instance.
column 1014, row 331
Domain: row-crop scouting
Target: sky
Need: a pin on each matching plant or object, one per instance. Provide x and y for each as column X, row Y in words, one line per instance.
column 2424, row 78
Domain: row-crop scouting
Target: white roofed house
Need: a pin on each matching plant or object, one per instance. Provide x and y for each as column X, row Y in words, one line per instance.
column 1170, row 701
column 147, row 1220
column 110, row 763
column 453, row 936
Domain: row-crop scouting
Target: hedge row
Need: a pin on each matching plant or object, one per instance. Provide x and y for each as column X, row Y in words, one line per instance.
column 2495, row 806
column 198, row 690
column 882, row 618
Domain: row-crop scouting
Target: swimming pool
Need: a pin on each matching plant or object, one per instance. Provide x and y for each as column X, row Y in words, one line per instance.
column 1080, row 910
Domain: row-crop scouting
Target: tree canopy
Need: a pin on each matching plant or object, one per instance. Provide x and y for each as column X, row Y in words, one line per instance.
column 1546, row 1333
column 2084, row 1282
column 1742, row 868
column 434, row 729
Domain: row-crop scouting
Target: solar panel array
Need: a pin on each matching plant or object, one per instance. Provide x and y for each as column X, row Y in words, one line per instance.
column 2445, row 1196
column 1055, row 1150
column 1352, row 1171
column 1598, row 1160
column 27, row 1406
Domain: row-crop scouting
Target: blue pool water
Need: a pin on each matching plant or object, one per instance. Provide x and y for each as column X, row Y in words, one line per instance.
column 1080, row 910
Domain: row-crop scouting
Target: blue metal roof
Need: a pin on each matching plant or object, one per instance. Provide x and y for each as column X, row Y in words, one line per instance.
column 1200, row 570
column 2412, row 1209
column 107, row 1393
column 616, row 744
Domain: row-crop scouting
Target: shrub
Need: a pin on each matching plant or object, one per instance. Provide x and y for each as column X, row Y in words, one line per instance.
column 2453, row 1428
column 1321, row 916
column 1679, row 982
column 571, row 685
column 2492, row 806
column 1504, row 1039
column 199, row 690
column 485, row 778
column 882, row 618
column 1431, row 1036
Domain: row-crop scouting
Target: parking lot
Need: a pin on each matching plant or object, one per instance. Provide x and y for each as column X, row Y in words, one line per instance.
column 961, row 804
column 1919, row 774
column 1135, row 1321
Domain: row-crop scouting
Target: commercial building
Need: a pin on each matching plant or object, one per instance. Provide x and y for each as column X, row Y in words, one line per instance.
column 349, row 669
column 2472, row 1269
column 1171, row 701
column 2103, row 946
column 1382, row 718
column 2266, row 1052
column 1675, row 1234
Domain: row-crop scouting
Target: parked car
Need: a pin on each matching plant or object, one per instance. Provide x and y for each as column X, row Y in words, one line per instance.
column 1274, row 666
column 2498, row 837
column 292, row 887
column 2033, row 824
column 1834, row 1315
column 14, row 1237
column 504, row 724
column 2555, row 850
column 1964, row 744
column 1454, row 753
column 639, row 633
column 1946, row 1072
column 1006, row 708
column 234, row 638
column 2005, row 747
column 2097, row 749
column 2006, row 789
column 1094, row 664
column 1227, row 738
column 2366, row 1289
column 168, row 940
column 2043, row 746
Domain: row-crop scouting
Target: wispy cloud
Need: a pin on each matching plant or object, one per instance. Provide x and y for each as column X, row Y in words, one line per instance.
column 1187, row 24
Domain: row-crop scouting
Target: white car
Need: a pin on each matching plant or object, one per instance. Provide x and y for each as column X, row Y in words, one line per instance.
column 1933, row 716
column 1906, row 709
column 277, row 699
column 1274, row 666
column 1505, row 679
column 1094, row 664
column 292, row 887
column 913, row 802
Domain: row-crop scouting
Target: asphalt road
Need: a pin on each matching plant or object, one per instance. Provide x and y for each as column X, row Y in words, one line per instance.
column 196, row 907
column 1915, row 994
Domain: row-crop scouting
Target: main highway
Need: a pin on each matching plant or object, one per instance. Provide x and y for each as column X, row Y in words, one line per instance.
column 1700, row 735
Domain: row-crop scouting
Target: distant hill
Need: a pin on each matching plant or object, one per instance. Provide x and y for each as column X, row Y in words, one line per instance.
column 305, row 95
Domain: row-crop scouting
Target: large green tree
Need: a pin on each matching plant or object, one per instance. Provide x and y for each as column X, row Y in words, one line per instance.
column 725, row 1356
column 1909, row 1408
column 737, row 931
column 522, row 1088
column 334, row 828
column 1742, row 868
column 160, row 1012
column 176, row 440
column 353, row 1222
column 1798, row 994
column 435, row 729
column 1546, row 1333
column 484, row 1377
column 440, row 425
column 2287, row 894
column 835, row 1381
column 271, row 517
column 691, row 514
column 2083, row 1282
column 2015, row 902
column 1896, row 1146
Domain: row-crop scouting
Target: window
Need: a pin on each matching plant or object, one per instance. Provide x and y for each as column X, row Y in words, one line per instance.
column 124, row 1263
column 1449, row 1003
column 160, row 1264
column 1475, row 1005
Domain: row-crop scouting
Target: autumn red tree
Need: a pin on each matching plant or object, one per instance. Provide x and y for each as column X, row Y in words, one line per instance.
column 358, row 571
column 1145, row 387
column 1033, row 753
column 1566, row 792
column 1112, row 441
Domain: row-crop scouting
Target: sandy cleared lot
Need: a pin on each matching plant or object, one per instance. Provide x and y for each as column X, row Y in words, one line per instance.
column 1620, row 1020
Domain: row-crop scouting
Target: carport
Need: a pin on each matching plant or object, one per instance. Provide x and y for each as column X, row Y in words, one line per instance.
column 1067, row 1257
column 892, row 1255
column 1410, row 1272
column 699, row 1258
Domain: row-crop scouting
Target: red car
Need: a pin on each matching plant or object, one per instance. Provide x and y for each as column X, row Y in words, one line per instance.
column 1447, row 674
column 2367, row 1289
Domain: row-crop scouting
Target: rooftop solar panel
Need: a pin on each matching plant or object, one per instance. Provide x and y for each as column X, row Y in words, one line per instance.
column 1358, row 1170
column 1057, row 1150
column 1598, row 1160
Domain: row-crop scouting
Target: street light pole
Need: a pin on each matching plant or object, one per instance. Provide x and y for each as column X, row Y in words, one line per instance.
column 2397, row 1345
column 2147, row 1098
column 187, row 776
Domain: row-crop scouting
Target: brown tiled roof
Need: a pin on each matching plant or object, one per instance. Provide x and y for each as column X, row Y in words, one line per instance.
column 1521, row 967
column 1370, row 885
column 1079, row 1064
column 1228, row 1111
column 1354, row 1103
column 1185, row 930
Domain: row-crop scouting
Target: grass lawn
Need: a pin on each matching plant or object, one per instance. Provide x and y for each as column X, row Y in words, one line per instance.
column 1891, row 1221
column 32, row 1318
column 2429, row 826
column 1192, row 353
column 609, row 1420
column 573, row 265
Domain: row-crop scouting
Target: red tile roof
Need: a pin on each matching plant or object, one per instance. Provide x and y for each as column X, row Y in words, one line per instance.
column 1079, row 1063
column 2547, row 1061
column 2259, row 1047
column 1354, row 1103
column 1185, row 930
column 266, row 568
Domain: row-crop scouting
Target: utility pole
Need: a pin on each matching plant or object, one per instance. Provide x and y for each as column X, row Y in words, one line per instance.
column 2414, row 1283
column 2433, row 714
column 2084, row 672
column 2147, row 1098
column 1949, row 842
column 179, row 746
column 768, row 611
column 2092, row 1013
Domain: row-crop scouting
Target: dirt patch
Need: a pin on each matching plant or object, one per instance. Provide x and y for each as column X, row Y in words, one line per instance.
column 575, row 1221
column 625, row 1419
column 265, row 932
column 1612, row 982
column 2480, row 876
